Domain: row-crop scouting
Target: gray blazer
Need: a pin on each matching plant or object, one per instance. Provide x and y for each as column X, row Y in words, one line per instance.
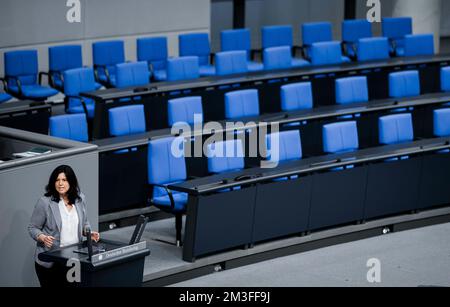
column 46, row 219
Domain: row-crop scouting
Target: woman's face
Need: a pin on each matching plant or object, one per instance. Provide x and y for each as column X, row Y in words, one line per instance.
column 62, row 185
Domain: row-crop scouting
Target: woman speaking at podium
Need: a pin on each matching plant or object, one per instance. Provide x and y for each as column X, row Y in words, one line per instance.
column 59, row 219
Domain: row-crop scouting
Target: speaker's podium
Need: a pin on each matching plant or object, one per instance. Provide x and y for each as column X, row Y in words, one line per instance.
column 105, row 264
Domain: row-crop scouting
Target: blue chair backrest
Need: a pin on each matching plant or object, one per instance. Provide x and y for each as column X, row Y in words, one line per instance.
column 241, row 104
column 397, row 128
column 354, row 30
column 277, row 58
column 22, row 64
column 72, row 127
column 195, row 44
column 132, row 74
column 225, row 156
column 340, row 137
column 126, row 120
column 62, row 58
column 153, row 50
column 79, row 80
column 396, row 27
column 442, row 122
column 184, row 68
column 164, row 165
column 419, row 44
column 182, row 110
column 238, row 39
column 316, row 32
column 276, row 36
column 108, row 53
column 445, row 79
column 284, row 146
column 375, row 48
column 351, row 89
column 296, row 96
column 404, row 84
column 231, row 62
column 326, row 53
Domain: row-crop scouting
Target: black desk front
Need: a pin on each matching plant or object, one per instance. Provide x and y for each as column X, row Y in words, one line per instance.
column 213, row 89
column 26, row 115
column 315, row 193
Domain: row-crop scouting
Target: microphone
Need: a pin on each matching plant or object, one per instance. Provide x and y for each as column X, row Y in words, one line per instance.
column 87, row 231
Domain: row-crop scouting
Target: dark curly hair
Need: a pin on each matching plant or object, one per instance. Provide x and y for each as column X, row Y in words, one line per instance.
column 74, row 191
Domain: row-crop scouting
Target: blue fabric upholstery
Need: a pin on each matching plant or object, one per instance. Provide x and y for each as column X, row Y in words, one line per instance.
column 281, row 58
column 442, row 122
column 241, row 104
column 4, row 97
column 419, row 44
column 371, row 49
column 327, row 53
column 62, row 58
column 184, row 68
column 108, row 54
column 404, row 84
column 225, row 156
column 165, row 168
column 132, row 74
column 153, row 50
column 77, row 81
column 284, row 146
column 445, row 79
column 184, row 109
column 395, row 29
column 71, row 126
column 126, row 120
column 353, row 31
column 276, row 36
column 340, row 137
column 197, row 44
column 395, row 129
column 23, row 65
column 316, row 32
column 296, row 96
column 351, row 90
column 231, row 62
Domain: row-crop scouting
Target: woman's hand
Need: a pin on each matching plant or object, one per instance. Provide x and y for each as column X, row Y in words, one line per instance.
column 95, row 236
column 47, row 240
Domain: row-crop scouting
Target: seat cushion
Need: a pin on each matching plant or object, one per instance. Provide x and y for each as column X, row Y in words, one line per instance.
column 160, row 75
column 255, row 66
column 4, row 97
column 207, row 71
column 300, row 63
column 180, row 200
column 35, row 91
column 90, row 106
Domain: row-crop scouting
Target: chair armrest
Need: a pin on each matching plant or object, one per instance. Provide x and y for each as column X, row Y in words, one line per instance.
column 393, row 44
column 4, row 83
column 169, row 192
column 51, row 75
column 344, row 46
column 305, row 54
column 105, row 69
column 42, row 73
column 83, row 103
column 19, row 85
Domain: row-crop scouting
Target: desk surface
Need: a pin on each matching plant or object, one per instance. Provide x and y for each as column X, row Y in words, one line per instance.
column 21, row 106
column 227, row 180
column 155, row 88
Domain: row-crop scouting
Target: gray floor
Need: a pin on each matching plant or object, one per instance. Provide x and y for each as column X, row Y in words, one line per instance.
column 419, row 257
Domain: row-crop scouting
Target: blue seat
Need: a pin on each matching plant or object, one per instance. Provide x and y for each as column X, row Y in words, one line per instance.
column 419, row 45
column 394, row 129
column 351, row 90
column 404, row 84
column 395, row 29
column 231, row 62
column 23, row 77
column 371, row 49
column 281, row 58
column 340, row 137
column 69, row 126
column 284, row 146
column 241, row 104
column 239, row 39
column 187, row 110
column 132, row 74
column 77, row 81
column 276, row 36
column 197, row 44
column 296, row 96
column 166, row 168
column 442, row 122
column 106, row 56
column 153, row 50
column 126, row 120
column 226, row 156
column 184, row 68
column 352, row 32
column 445, row 79
column 327, row 53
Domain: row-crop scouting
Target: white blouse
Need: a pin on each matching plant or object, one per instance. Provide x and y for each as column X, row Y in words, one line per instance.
column 69, row 227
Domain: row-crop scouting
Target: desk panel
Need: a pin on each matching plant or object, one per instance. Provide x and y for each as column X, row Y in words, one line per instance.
column 435, row 181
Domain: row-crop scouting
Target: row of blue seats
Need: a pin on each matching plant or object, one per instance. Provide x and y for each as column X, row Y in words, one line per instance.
column 21, row 67
column 243, row 103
